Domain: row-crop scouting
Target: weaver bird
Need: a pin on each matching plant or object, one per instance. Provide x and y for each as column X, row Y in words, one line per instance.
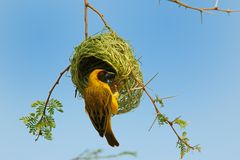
column 101, row 103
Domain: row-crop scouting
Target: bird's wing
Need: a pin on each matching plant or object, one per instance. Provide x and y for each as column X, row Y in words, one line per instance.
column 98, row 106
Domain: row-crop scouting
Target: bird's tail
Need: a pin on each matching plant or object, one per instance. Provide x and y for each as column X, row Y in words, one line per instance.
column 112, row 141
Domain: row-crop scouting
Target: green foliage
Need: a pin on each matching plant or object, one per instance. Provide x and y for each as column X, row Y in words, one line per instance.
column 41, row 122
column 180, row 122
column 162, row 119
column 96, row 155
column 160, row 101
column 184, row 146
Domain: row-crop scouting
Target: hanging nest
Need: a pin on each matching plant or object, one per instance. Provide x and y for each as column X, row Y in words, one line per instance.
column 110, row 52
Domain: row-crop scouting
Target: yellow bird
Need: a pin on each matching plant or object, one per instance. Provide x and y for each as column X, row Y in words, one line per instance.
column 101, row 103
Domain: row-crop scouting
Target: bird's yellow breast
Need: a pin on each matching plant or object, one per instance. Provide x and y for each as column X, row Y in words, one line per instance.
column 96, row 85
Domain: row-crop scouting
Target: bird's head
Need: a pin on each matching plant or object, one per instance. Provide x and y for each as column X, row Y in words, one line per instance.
column 102, row 75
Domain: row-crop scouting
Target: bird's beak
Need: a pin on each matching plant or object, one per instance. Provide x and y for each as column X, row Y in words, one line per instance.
column 110, row 75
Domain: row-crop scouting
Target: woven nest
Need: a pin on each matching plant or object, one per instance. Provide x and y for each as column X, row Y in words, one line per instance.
column 110, row 52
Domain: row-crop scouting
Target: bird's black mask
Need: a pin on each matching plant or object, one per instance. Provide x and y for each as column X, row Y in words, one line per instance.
column 106, row 77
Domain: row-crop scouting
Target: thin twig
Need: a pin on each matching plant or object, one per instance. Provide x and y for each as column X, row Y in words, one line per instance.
column 86, row 6
column 215, row 8
column 159, row 113
column 49, row 96
column 179, row 138
column 99, row 14
column 86, row 18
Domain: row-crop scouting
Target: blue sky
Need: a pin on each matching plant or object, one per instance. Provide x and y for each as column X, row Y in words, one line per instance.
column 199, row 63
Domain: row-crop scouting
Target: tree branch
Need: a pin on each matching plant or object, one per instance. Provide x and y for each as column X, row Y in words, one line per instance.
column 170, row 123
column 49, row 96
column 99, row 14
column 86, row 18
column 86, row 6
column 214, row 8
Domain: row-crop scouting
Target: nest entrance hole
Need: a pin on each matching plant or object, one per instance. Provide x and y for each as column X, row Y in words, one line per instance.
column 88, row 64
